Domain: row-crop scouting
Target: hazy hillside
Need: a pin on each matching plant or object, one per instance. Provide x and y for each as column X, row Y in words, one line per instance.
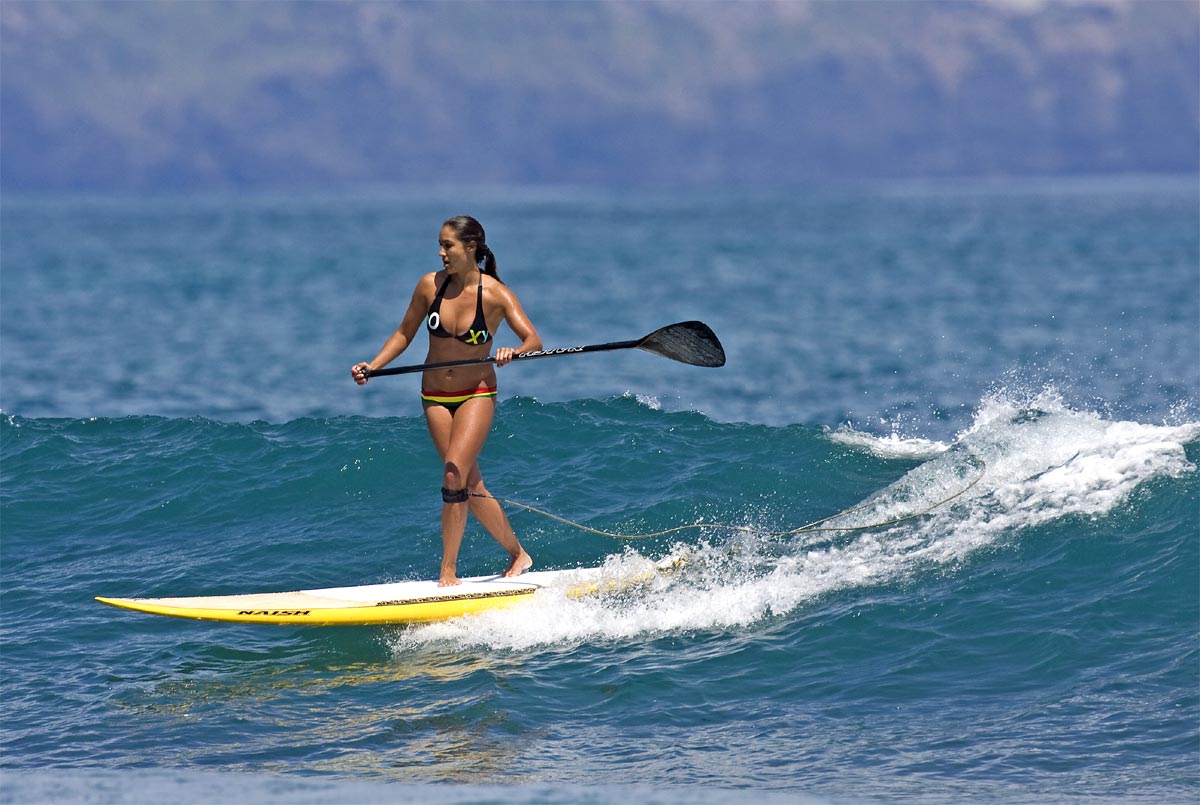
column 180, row 95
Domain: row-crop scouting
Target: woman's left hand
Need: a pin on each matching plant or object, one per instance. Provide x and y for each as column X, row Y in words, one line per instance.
column 504, row 355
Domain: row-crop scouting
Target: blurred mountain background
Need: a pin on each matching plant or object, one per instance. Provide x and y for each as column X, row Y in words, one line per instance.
column 184, row 96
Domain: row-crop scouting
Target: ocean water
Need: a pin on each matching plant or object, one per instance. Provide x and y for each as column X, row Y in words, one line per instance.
column 997, row 384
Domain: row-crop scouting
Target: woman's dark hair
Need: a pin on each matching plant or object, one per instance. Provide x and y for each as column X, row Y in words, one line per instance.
column 467, row 229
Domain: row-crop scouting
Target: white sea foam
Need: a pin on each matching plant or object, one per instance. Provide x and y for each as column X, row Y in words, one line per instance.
column 894, row 445
column 1023, row 462
column 647, row 400
column 1047, row 461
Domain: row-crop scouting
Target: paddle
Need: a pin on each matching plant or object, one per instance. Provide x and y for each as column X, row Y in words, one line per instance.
column 691, row 342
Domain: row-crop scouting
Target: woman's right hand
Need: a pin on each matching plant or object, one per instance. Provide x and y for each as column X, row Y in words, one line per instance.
column 361, row 372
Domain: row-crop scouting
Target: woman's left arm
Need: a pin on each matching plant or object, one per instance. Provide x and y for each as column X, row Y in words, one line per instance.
column 514, row 314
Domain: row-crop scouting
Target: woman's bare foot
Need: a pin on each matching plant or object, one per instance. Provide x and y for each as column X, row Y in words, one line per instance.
column 520, row 563
column 449, row 580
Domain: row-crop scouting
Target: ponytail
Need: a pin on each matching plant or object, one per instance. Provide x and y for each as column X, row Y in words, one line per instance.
column 487, row 263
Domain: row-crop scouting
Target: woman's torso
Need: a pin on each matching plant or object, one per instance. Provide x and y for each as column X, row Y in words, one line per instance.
column 454, row 332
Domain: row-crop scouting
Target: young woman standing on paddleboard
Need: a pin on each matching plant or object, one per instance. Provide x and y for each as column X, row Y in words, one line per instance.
column 461, row 307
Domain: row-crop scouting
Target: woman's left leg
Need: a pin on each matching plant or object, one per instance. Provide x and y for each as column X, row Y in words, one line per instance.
column 491, row 516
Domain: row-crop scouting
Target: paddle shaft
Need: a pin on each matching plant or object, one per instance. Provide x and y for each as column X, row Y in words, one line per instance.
column 521, row 356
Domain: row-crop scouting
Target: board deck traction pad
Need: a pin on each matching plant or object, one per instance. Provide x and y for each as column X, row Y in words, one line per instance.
column 393, row 603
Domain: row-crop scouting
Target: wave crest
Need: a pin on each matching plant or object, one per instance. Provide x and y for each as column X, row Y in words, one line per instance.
column 1023, row 462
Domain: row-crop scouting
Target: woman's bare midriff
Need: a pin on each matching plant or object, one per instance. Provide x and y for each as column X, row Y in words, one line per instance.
column 459, row 378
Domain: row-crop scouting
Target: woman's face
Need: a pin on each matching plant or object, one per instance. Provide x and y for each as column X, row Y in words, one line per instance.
column 457, row 257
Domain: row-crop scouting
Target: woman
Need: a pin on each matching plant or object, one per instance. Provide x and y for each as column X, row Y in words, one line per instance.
column 461, row 306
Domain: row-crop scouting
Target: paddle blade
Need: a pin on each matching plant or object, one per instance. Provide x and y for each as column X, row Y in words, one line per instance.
column 691, row 342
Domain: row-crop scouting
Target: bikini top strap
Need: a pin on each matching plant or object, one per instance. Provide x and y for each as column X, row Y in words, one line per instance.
column 441, row 292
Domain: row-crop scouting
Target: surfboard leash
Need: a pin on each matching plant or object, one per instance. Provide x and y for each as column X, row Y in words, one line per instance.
column 814, row 526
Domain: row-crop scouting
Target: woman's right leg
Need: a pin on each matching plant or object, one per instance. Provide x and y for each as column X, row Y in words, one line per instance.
column 454, row 514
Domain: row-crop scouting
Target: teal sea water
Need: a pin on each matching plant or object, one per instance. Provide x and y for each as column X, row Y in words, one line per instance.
column 999, row 382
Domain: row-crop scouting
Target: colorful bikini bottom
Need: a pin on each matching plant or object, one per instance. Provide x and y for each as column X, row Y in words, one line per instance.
column 453, row 399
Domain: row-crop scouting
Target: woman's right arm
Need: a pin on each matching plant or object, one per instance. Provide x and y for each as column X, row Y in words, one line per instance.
column 399, row 340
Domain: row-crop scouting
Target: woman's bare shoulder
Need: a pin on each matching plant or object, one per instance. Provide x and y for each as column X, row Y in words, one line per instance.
column 497, row 290
column 427, row 285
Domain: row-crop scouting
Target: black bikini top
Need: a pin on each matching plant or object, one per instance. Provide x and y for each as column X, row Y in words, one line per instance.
column 478, row 331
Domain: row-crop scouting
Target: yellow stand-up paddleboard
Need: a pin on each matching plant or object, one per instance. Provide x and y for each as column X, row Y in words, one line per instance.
column 395, row 603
